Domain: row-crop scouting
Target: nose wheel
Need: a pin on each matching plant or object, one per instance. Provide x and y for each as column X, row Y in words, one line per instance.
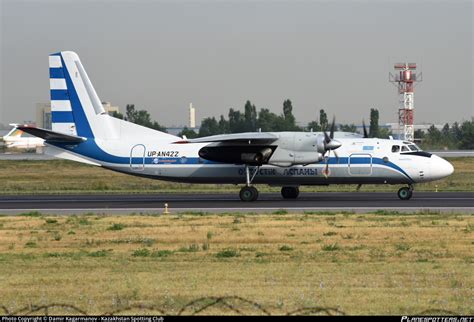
column 405, row 193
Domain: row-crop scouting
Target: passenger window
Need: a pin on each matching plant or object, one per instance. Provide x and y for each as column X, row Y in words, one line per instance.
column 405, row 149
column 395, row 148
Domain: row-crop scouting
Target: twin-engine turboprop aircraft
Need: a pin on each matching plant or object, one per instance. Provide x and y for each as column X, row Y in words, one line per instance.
column 82, row 131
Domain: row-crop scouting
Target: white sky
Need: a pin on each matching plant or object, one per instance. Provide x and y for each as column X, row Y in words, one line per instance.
column 162, row 55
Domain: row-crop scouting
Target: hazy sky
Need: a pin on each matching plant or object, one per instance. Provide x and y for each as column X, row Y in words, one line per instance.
column 162, row 55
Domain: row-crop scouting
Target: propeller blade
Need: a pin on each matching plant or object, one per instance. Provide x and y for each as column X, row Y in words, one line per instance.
column 337, row 157
column 326, row 171
column 327, row 139
column 365, row 130
column 333, row 127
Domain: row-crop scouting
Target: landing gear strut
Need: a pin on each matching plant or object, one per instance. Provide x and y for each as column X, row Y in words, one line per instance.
column 249, row 192
column 290, row 192
column 405, row 193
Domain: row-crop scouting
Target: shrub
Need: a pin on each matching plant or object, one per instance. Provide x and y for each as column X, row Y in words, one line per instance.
column 142, row 252
column 51, row 221
column 99, row 253
column 116, row 227
column 161, row 253
column 31, row 214
column 285, row 248
column 31, row 244
column 330, row 247
column 227, row 253
column 190, row 249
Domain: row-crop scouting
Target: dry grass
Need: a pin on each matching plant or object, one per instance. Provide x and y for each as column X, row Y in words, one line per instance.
column 360, row 264
column 59, row 177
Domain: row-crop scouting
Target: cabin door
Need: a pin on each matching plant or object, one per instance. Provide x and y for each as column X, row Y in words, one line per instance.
column 360, row 164
column 137, row 157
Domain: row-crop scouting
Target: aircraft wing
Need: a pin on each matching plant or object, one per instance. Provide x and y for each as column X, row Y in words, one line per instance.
column 248, row 137
column 238, row 148
column 51, row 136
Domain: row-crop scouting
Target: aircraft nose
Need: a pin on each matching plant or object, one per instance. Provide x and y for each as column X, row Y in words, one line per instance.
column 440, row 168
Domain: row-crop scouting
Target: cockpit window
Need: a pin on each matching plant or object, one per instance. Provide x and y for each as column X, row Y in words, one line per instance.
column 395, row 148
column 413, row 147
column 404, row 149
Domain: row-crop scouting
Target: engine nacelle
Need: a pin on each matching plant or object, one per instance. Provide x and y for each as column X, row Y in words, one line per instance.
column 307, row 157
column 256, row 158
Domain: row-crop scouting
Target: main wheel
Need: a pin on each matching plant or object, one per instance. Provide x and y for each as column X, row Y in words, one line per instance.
column 404, row 193
column 290, row 192
column 248, row 194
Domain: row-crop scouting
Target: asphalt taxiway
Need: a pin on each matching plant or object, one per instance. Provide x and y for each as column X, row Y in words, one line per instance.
column 462, row 202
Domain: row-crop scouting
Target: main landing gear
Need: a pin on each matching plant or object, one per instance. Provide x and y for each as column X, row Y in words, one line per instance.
column 249, row 192
column 290, row 192
column 405, row 193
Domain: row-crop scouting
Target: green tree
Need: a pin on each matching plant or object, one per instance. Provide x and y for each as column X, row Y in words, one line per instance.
column 209, row 126
column 142, row 117
column 268, row 121
column 250, row 116
column 117, row 115
column 289, row 119
column 348, row 128
column 374, row 123
column 323, row 119
column 467, row 139
column 419, row 134
column 384, row 133
column 314, row 126
column 189, row 133
column 236, row 121
column 223, row 125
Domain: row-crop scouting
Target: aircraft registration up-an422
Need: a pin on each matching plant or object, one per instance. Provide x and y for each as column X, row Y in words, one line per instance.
column 82, row 131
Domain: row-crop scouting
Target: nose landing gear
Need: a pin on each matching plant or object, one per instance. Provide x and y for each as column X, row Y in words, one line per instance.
column 405, row 193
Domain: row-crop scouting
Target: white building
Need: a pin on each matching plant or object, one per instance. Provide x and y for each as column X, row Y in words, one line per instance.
column 192, row 116
column 43, row 113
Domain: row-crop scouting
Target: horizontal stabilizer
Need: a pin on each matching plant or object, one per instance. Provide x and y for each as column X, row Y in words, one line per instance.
column 51, row 136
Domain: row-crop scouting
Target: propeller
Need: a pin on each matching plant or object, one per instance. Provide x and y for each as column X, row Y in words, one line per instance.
column 330, row 144
column 365, row 130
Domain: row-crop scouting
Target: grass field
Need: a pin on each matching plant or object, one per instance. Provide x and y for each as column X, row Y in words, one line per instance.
column 60, row 177
column 384, row 263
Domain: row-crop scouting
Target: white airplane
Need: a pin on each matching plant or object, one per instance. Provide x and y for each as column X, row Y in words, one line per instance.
column 82, row 131
column 17, row 140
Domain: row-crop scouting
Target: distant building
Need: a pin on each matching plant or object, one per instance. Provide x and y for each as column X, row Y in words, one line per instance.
column 43, row 113
column 192, row 116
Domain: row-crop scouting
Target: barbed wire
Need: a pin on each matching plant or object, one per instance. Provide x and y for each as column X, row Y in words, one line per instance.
column 227, row 304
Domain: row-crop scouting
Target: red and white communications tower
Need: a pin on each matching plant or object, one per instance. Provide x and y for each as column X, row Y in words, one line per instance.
column 405, row 78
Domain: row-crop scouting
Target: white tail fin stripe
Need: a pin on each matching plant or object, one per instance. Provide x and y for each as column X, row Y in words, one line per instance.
column 57, row 83
column 61, row 106
column 55, row 62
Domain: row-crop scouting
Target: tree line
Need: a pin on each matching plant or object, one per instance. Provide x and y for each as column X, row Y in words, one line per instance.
column 458, row 136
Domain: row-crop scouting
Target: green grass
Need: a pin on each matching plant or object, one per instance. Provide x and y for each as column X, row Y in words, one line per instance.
column 67, row 177
column 375, row 264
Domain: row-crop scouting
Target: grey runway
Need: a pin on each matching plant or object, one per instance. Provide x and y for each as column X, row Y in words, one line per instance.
column 148, row 203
